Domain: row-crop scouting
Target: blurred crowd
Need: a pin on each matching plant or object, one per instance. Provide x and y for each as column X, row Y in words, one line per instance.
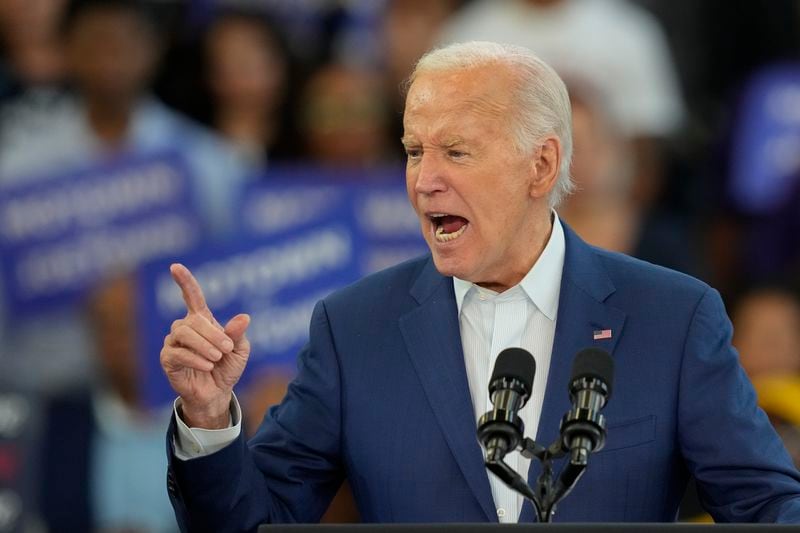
column 687, row 154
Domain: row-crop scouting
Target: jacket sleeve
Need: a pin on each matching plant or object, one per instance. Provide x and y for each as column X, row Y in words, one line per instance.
column 743, row 471
column 289, row 471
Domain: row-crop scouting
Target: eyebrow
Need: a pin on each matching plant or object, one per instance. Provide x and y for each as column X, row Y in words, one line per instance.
column 452, row 142
column 449, row 143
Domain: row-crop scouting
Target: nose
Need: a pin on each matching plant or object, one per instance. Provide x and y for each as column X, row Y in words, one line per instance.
column 430, row 174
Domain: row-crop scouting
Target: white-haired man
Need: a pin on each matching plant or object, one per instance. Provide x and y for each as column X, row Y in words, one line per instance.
column 397, row 366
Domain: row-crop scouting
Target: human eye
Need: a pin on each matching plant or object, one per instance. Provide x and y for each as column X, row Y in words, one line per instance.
column 413, row 152
column 454, row 153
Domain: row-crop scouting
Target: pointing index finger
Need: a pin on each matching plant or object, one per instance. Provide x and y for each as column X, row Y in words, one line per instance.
column 192, row 293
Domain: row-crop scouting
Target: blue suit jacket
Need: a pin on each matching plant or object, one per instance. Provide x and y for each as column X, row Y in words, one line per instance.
column 382, row 399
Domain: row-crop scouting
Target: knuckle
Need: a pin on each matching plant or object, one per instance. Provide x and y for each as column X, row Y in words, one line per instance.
column 182, row 334
column 177, row 354
column 186, row 353
column 198, row 321
column 167, row 356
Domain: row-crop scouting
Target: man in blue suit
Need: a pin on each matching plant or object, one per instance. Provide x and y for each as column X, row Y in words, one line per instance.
column 395, row 372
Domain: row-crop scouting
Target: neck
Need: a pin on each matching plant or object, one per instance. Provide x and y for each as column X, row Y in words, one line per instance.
column 533, row 249
column 109, row 120
column 246, row 125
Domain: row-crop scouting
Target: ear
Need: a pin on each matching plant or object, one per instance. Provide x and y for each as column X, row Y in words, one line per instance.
column 545, row 167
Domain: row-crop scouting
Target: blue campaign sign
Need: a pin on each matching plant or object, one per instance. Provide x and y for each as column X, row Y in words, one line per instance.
column 59, row 235
column 765, row 156
column 386, row 225
column 276, row 279
column 304, row 233
column 373, row 203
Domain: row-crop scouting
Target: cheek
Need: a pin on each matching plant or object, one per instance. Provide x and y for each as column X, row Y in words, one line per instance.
column 411, row 181
column 498, row 221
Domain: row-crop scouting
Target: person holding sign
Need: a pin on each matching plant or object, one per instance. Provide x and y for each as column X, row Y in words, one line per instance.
column 395, row 373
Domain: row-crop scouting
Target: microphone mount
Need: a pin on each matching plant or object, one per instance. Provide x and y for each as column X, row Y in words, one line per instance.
column 549, row 489
column 582, row 432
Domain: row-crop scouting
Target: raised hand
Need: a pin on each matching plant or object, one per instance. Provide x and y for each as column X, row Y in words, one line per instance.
column 202, row 359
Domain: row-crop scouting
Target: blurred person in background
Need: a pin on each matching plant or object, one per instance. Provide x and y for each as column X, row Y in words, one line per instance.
column 767, row 335
column 30, row 52
column 603, row 210
column 715, row 64
column 409, row 28
column 616, row 45
column 343, row 119
column 249, row 80
column 111, row 49
column 102, row 453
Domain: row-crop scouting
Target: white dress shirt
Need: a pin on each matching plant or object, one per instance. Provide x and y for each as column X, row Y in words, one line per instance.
column 524, row 316
column 190, row 443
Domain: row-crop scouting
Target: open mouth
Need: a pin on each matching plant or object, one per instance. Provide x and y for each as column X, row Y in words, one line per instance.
column 448, row 227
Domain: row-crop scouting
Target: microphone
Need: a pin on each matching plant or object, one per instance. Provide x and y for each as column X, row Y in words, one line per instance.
column 583, row 428
column 500, row 430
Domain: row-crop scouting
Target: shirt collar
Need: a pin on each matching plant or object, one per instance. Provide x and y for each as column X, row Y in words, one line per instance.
column 542, row 283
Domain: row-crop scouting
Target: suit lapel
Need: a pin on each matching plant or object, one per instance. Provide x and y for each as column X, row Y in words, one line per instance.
column 432, row 336
column 581, row 311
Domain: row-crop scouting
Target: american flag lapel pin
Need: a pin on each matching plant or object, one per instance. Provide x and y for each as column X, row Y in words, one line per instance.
column 600, row 334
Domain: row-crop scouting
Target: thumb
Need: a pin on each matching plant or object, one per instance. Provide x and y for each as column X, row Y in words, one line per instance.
column 236, row 328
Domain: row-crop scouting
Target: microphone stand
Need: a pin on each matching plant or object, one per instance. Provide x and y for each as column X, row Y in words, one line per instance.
column 582, row 431
column 549, row 491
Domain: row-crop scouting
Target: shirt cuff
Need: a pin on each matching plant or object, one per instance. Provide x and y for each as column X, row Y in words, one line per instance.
column 191, row 443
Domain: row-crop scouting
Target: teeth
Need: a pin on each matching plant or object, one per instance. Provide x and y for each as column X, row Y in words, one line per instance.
column 441, row 236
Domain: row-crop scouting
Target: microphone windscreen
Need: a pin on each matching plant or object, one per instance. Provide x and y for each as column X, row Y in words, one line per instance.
column 515, row 363
column 594, row 363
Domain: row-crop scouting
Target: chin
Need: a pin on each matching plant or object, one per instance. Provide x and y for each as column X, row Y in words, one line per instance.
column 450, row 267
